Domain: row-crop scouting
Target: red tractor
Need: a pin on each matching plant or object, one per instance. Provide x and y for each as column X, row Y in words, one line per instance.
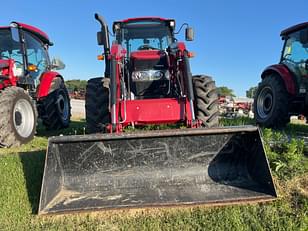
column 284, row 88
column 29, row 88
column 148, row 80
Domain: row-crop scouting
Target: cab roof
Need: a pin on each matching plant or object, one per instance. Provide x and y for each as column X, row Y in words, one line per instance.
column 34, row 30
column 144, row 19
column 294, row 28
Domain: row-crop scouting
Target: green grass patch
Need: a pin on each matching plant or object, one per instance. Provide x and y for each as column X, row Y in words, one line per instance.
column 21, row 171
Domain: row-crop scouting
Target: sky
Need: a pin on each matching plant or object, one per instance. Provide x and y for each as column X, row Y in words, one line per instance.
column 234, row 39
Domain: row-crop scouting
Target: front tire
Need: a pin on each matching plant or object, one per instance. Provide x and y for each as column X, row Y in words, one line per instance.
column 206, row 100
column 55, row 109
column 97, row 105
column 271, row 103
column 18, row 117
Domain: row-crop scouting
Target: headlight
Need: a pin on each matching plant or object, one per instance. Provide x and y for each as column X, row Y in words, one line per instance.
column 149, row 75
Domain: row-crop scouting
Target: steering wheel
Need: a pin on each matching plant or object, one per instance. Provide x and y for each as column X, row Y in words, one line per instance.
column 4, row 56
column 7, row 57
column 146, row 47
column 19, row 62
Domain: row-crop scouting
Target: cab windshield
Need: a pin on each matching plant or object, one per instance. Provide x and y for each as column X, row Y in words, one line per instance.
column 296, row 51
column 295, row 54
column 10, row 49
column 144, row 35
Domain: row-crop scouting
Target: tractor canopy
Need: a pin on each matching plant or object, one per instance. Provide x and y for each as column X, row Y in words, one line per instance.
column 25, row 45
column 144, row 33
column 34, row 30
column 295, row 51
column 294, row 28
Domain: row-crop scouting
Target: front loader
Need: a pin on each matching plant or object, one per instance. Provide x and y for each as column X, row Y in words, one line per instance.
column 148, row 81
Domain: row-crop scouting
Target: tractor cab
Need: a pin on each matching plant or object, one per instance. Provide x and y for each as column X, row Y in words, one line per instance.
column 147, row 64
column 24, row 54
column 26, row 47
column 295, row 51
column 144, row 34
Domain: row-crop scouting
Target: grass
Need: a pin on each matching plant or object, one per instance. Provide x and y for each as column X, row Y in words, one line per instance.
column 21, row 172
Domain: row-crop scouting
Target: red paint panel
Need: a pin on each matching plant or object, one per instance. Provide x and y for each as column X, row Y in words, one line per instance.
column 181, row 46
column 45, row 83
column 8, row 71
column 285, row 74
column 153, row 111
column 117, row 51
column 147, row 54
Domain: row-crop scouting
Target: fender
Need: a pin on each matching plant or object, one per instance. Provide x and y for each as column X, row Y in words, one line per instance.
column 284, row 73
column 45, row 87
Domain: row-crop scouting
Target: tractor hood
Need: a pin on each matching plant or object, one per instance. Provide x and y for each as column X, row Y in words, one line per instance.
column 147, row 54
column 149, row 72
column 149, row 60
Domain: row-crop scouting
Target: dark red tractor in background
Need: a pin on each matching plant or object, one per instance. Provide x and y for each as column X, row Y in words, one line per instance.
column 29, row 88
column 284, row 88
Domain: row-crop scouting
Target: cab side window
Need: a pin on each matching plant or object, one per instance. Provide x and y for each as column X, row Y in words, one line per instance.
column 36, row 55
column 10, row 49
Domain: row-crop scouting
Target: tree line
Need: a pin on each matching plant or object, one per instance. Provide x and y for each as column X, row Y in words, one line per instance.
column 225, row 91
column 76, row 85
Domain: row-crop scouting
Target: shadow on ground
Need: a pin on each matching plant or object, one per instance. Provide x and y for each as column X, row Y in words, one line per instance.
column 75, row 128
column 33, row 168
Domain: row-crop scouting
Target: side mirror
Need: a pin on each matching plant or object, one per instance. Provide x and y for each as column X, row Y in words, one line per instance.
column 57, row 64
column 189, row 34
column 100, row 38
column 15, row 33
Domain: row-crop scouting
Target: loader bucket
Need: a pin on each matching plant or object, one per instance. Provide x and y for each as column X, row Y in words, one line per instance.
column 156, row 168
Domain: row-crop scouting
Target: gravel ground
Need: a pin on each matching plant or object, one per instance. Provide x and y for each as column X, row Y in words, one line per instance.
column 78, row 108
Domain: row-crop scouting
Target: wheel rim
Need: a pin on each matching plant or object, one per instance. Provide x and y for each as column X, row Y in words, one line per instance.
column 265, row 102
column 23, row 117
column 62, row 105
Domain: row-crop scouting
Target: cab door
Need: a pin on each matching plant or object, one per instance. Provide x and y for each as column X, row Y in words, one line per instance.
column 37, row 57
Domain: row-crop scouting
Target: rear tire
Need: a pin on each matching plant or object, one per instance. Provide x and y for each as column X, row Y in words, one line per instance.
column 97, row 105
column 271, row 103
column 55, row 108
column 18, row 117
column 206, row 100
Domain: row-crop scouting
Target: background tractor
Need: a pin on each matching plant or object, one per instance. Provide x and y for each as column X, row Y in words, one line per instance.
column 284, row 88
column 148, row 81
column 29, row 88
